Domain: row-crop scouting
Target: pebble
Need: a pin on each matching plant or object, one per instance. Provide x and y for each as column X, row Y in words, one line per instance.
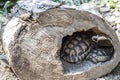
column 116, row 13
column 117, row 20
column 118, row 5
column 101, row 5
column 104, row 9
column 118, row 29
column 86, row 6
column 100, row 79
column 116, row 0
column 110, row 18
column 108, row 14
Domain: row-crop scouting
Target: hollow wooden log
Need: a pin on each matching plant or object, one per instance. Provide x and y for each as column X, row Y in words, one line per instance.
column 33, row 47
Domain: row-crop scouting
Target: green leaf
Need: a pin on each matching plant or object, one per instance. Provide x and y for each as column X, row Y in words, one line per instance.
column 8, row 4
column 57, row 0
column 2, row 18
column 76, row 2
column 69, row 2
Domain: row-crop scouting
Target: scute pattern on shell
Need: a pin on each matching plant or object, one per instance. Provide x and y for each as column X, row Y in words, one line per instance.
column 102, row 49
column 98, row 55
column 75, row 48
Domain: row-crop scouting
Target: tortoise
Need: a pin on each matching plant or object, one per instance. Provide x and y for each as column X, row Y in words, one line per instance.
column 81, row 46
column 75, row 48
column 98, row 55
column 102, row 49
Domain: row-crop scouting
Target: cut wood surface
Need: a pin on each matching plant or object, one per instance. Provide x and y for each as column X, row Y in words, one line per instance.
column 32, row 47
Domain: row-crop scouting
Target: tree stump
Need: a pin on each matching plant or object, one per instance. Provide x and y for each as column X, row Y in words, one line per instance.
column 33, row 47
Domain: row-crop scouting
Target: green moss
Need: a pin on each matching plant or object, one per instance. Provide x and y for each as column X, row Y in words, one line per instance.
column 112, row 4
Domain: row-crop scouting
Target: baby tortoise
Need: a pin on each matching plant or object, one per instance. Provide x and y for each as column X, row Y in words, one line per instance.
column 75, row 48
column 98, row 55
column 102, row 49
column 81, row 46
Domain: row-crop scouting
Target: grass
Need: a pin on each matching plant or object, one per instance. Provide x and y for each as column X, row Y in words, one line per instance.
column 5, row 8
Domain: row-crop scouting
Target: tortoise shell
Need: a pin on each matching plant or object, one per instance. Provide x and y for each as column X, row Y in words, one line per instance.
column 100, row 55
column 75, row 48
column 102, row 49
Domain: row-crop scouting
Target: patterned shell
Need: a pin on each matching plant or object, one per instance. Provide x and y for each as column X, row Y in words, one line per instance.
column 75, row 48
column 99, row 55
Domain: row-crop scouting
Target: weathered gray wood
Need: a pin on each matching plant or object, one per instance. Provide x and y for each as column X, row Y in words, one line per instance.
column 33, row 47
column 5, row 72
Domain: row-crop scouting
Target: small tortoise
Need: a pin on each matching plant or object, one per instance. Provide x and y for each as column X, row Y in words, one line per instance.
column 80, row 47
column 102, row 49
column 98, row 55
column 75, row 48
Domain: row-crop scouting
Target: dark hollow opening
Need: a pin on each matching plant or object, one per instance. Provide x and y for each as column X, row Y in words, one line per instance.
column 85, row 48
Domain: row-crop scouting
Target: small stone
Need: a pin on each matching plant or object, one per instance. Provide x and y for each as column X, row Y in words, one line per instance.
column 118, row 5
column 113, row 24
column 118, row 26
column 100, row 79
column 116, row 0
column 86, row 6
column 110, row 18
column 108, row 14
column 104, row 9
column 116, row 13
column 3, row 57
column 101, row 5
column 117, row 20
column 114, row 28
column 118, row 29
